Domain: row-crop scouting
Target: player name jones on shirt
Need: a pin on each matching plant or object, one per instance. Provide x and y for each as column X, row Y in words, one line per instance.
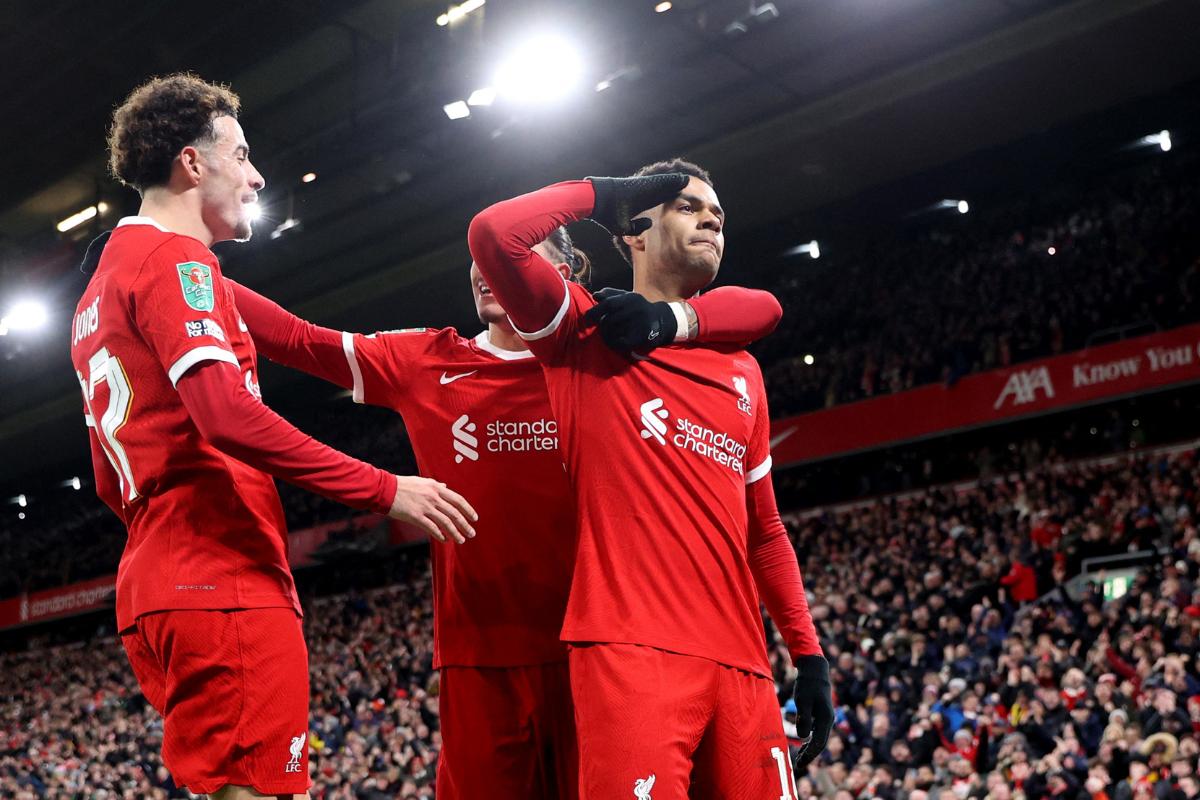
column 86, row 322
column 503, row 436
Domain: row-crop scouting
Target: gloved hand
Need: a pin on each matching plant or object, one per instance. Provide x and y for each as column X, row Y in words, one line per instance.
column 814, row 710
column 628, row 321
column 619, row 200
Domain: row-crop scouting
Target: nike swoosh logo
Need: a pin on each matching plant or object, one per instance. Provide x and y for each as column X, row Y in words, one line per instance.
column 779, row 437
column 452, row 378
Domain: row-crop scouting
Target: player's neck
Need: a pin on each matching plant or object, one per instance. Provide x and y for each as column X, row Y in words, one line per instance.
column 178, row 213
column 661, row 284
column 505, row 338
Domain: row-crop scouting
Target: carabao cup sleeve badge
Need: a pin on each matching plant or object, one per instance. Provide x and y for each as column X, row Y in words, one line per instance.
column 195, row 279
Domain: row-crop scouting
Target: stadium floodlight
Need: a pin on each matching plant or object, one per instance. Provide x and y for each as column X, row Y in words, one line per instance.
column 759, row 14
column 542, row 69
column 457, row 110
column 1051, row 250
column 289, row 225
column 21, row 515
column 482, row 97
column 25, row 315
column 808, row 359
column 73, row 483
column 630, row 72
column 1162, row 140
column 812, row 248
column 80, row 217
column 308, row 177
column 963, row 206
column 22, row 501
column 254, row 211
column 662, row 7
column 456, row 13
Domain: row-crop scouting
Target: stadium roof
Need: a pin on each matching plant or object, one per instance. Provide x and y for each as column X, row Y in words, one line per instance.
column 829, row 99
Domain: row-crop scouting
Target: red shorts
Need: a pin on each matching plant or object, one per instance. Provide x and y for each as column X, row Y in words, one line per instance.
column 507, row 732
column 669, row 726
column 232, row 687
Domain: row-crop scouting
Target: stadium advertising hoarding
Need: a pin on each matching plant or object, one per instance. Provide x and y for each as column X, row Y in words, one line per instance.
column 64, row 601
column 98, row 593
column 1085, row 376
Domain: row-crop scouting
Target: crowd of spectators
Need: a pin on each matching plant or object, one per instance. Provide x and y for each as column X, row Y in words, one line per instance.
column 962, row 665
column 887, row 313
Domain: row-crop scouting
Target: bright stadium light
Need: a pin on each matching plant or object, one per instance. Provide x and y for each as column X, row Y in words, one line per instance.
column 73, row 483
column 1051, row 250
column 808, row 359
column 1161, row 140
column 25, row 315
column 308, row 177
column 456, row 13
column 665, row 5
column 540, row 70
column 22, row 501
column 254, row 211
column 80, row 217
column 812, row 248
column 457, row 110
column 482, row 97
column 963, row 206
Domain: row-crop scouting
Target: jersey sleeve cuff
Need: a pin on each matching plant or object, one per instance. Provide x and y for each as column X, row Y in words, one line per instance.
column 554, row 323
column 196, row 356
column 358, row 392
column 681, row 320
column 759, row 472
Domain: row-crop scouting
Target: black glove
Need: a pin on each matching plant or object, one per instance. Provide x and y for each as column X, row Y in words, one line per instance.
column 814, row 710
column 619, row 200
column 628, row 321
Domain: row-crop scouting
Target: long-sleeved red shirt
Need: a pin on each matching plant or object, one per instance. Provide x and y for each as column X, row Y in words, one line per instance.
column 668, row 455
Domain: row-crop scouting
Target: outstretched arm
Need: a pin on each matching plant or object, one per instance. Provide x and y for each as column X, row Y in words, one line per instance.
column 735, row 314
column 293, row 342
column 627, row 321
column 239, row 425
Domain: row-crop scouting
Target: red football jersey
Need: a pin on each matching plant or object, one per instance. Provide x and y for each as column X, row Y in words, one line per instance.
column 480, row 422
column 205, row 530
column 659, row 450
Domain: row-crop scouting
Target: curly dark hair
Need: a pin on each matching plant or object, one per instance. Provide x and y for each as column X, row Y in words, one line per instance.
column 663, row 168
column 160, row 118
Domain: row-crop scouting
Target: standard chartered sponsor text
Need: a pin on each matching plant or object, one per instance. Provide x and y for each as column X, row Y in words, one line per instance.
column 68, row 601
column 720, row 447
column 506, row 436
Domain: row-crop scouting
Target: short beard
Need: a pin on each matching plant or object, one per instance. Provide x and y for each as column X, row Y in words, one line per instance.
column 243, row 231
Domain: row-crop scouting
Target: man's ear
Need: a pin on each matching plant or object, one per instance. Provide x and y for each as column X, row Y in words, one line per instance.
column 635, row 242
column 189, row 160
column 564, row 269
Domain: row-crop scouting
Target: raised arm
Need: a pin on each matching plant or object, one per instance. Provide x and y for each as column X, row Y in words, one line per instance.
column 293, row 342
column 502, row 237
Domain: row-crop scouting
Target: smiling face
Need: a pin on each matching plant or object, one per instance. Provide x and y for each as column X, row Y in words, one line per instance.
column 228, row 181
column 487, row 307
column 686, row 236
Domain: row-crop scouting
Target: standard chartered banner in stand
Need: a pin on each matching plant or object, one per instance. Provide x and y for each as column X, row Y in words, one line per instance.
column 1037, row 387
